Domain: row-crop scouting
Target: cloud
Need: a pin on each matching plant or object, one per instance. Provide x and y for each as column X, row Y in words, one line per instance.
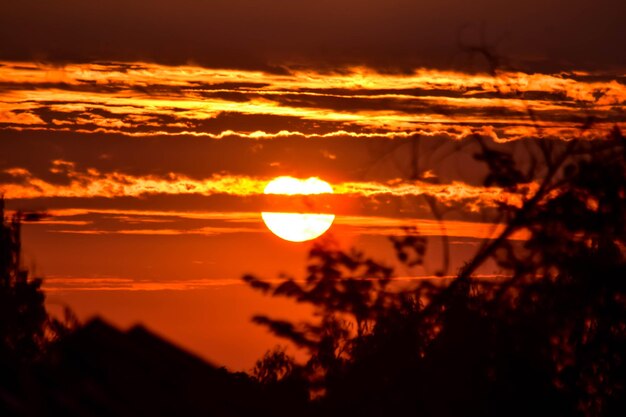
column 142, row 99
column 203, row 231
column 55, row 284
column 63, row 284
column 92, row 183
column 389, row 226
column 127, row 134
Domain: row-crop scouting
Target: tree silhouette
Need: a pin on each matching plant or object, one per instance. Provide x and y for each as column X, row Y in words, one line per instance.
column 548, row 338
column 25, row 326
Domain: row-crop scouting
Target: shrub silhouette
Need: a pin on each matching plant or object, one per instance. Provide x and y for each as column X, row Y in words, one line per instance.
column 547, row 338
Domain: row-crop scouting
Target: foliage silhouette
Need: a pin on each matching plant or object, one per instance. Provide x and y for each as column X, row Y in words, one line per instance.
column 547, row 338
column 26, row 329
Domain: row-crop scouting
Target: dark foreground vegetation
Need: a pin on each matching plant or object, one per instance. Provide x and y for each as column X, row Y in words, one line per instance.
column 547, row 338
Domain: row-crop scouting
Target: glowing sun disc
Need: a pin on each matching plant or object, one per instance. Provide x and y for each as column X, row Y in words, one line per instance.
column 297, row 227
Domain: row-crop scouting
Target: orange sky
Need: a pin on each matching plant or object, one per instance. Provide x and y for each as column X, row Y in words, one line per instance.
column 148, row 132
column 153, row 177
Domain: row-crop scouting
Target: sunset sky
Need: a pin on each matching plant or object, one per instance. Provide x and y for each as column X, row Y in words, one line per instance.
column 148, row 130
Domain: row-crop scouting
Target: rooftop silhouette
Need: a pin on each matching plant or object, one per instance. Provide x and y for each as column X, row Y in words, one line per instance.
column 100, row 370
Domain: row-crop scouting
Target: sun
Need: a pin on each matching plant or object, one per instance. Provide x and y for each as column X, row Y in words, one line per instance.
column 297, row 227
